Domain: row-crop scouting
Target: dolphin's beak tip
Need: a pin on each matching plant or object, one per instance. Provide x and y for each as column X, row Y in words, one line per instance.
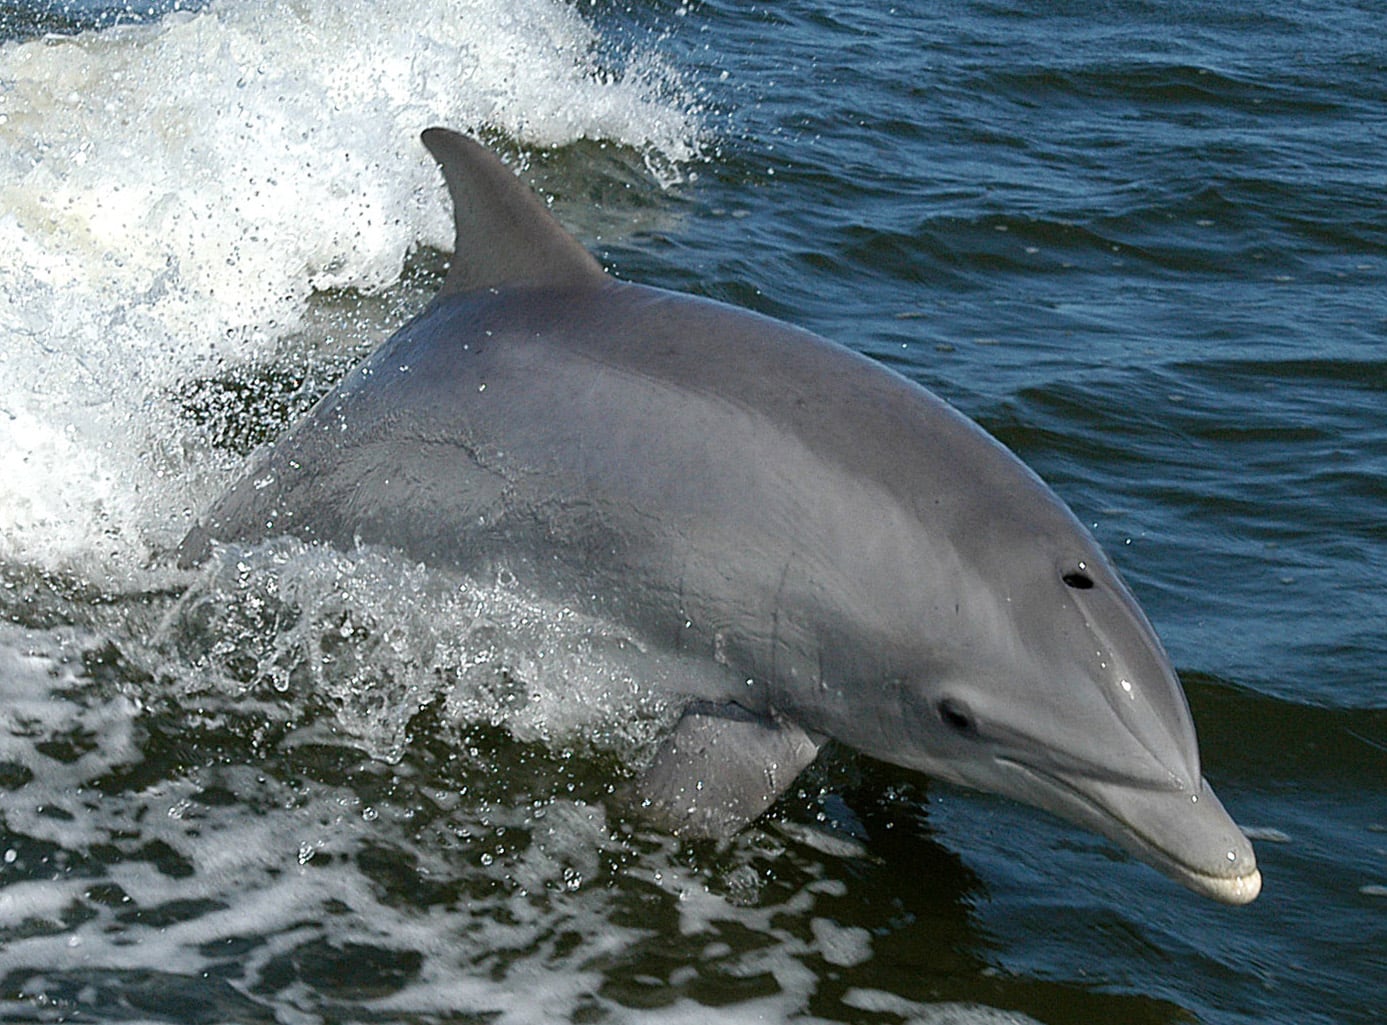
column 1231, row 890
column 1244, row 889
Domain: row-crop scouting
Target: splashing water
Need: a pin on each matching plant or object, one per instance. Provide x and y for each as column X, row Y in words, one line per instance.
column 177, row 193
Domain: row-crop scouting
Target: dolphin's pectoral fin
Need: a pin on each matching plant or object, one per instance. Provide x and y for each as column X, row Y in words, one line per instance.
column 720, row 768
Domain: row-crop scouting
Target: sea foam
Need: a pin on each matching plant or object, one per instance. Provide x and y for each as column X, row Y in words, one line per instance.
column 175, row 194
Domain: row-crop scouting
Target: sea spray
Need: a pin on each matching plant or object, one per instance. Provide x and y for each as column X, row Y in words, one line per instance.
column 178, row 194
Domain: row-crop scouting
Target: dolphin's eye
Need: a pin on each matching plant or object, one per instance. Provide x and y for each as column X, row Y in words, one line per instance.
column 1078, row 579
column 955, row 715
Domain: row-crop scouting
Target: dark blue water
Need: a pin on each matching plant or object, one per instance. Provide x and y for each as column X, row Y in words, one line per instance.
column 1143, row 244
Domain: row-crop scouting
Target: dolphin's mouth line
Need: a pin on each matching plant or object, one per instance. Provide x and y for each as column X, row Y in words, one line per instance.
column 1231, row 888
column 1088, row 802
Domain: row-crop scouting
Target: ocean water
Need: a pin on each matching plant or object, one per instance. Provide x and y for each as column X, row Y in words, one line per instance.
column 1143, row 244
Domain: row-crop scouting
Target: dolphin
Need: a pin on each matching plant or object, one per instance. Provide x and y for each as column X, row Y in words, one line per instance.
column 832, row 551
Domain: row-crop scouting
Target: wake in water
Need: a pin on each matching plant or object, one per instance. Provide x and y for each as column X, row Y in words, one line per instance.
column 208, row 861
column 178, row 194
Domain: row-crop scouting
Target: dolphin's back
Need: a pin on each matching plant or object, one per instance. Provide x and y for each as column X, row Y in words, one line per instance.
column 605, row 440
column 537, row 385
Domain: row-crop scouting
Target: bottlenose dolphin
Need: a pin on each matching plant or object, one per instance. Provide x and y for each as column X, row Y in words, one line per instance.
column 833, row 551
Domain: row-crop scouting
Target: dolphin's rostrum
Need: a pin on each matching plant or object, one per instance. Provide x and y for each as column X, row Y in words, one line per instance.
column 837, row 553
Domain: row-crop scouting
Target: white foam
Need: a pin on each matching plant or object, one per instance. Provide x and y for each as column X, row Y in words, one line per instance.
column 842, row 945
column 915, row 1013
column 174, row 193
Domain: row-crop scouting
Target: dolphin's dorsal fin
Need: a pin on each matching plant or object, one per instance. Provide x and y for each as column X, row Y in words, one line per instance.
column 505, row 234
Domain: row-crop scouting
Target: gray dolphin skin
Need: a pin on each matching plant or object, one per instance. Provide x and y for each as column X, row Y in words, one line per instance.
column 832, row 551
